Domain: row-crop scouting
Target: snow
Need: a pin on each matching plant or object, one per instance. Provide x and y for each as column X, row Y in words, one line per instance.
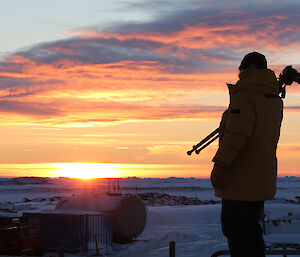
column 193, row 228
column 171, row 215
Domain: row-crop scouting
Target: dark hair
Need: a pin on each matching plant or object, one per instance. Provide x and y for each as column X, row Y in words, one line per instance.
column 254, row 59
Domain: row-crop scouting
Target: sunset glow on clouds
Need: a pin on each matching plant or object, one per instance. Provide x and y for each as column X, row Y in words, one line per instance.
column 142, row 92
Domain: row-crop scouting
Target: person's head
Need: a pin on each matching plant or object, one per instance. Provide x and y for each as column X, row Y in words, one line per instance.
column 253, row 60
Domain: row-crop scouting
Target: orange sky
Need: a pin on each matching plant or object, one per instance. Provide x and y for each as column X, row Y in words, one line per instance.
column 136, row 98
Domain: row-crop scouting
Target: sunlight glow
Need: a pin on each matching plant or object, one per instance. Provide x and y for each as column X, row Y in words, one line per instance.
column 85, row 170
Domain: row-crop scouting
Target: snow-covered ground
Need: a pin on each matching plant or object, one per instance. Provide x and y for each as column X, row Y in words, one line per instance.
column 196, row 229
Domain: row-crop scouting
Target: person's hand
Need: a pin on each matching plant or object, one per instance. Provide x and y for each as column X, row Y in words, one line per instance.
column 218, row 176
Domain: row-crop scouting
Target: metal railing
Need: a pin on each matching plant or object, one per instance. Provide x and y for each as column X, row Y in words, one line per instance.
column 73, row 232
column 96, row 229
column 283, row 252
column 268, row 252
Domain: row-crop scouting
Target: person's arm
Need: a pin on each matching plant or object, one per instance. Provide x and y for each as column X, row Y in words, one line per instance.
column 238, row 128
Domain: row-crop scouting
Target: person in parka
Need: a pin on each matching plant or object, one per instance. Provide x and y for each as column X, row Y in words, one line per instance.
column 245, row 165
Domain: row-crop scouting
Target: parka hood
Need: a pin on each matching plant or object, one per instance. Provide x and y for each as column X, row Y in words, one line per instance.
column 262, row 81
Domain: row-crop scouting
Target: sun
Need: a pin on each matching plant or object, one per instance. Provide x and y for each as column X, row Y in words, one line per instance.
column 85, row 170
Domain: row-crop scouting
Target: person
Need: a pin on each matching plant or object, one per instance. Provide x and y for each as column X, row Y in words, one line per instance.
column 245, row 165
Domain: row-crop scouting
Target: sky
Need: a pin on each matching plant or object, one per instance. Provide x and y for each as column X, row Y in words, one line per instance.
column 125, row 88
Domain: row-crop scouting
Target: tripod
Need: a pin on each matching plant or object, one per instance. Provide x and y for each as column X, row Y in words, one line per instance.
column 210, row 138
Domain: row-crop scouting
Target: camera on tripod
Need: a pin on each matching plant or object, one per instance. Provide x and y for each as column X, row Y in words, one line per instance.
column 286, row 78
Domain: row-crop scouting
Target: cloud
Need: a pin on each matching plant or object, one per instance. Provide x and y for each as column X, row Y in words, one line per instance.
column 186, row 40
column 260, row 21
column 151, row 70
column 75, row 111
column 293, row 108
column 30, row 109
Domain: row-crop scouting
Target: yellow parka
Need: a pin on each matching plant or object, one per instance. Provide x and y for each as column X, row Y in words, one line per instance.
column 249, row 131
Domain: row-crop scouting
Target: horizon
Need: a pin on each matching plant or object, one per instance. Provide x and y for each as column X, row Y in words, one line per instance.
column 142, row 178
column 69, row 170
column 127, row 88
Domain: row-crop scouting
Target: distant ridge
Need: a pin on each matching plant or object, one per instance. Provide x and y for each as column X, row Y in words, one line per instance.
column 26, row 180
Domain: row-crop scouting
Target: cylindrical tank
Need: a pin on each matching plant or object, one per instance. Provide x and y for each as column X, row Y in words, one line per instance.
column 129, row 212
